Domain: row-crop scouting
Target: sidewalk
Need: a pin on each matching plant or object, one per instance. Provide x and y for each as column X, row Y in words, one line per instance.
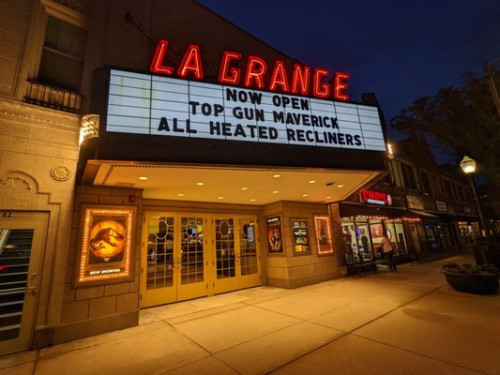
column 405, row 322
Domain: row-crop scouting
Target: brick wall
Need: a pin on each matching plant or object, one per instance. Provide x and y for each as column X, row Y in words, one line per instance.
column 290, row 269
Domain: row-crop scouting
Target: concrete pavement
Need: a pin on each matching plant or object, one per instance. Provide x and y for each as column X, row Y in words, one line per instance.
column 407, row 322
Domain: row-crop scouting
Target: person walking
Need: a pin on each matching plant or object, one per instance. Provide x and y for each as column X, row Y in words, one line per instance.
column 388, row 251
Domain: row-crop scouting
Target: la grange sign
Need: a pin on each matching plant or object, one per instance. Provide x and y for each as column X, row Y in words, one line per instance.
column 301, row 81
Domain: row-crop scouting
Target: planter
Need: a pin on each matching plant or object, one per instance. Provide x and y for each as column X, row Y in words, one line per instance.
column 471, row 280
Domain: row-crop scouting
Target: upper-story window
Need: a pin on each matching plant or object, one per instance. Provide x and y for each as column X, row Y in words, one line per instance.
column 447, row 188
column 408, row 174
column 62, row 56
column 426, row 183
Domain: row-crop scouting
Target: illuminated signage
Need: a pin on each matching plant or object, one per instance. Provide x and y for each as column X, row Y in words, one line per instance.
column 105, row 250
column 323, row 235
column 164, row 106
column 375, row 197
column 302, row 80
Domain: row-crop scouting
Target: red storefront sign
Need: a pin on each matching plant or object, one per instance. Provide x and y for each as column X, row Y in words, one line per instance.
column 301, row 81
column 375, row 197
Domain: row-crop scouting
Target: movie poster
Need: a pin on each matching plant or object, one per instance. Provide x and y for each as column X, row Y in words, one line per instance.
column 106, row 244
column 274, row 239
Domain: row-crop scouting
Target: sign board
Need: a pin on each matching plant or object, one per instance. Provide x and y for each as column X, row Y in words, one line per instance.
column 165, row 106
column 441, row 206
column 414, row 202
column 375, row 197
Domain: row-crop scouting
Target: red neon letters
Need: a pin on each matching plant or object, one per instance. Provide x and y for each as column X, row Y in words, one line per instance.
column 256, row 69
column 300, row 82
column 377, row 197
column 234, row 74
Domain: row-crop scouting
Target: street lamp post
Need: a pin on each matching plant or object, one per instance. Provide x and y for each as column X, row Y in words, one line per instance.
column 468, row 166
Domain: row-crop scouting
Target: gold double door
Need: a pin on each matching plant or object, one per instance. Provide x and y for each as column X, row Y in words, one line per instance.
column 189, row 255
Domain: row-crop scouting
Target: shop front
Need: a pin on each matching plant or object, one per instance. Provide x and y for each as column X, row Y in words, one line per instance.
column 370, row 214
column 443, row 230
column 229, row 184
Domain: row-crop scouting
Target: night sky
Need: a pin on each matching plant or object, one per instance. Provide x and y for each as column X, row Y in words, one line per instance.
column 400, row 50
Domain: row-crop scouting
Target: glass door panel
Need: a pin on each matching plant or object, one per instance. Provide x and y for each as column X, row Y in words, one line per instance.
column 192, row 268
column 248, row 255
column 161, row 235
column 248, row 248
column 224, row 248
column 158, row 268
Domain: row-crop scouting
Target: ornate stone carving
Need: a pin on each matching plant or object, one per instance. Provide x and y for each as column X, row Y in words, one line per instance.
column 15, row 183
column 60, row 173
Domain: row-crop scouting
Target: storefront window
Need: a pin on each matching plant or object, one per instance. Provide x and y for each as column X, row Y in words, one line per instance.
column 397, row 236
column 364, row 243
column 376, row 233
column 349, row 233
column 364, row 235
column 464, row 232
column 432, row 239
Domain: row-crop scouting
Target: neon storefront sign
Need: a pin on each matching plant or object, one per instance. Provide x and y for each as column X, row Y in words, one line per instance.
column 375, row 197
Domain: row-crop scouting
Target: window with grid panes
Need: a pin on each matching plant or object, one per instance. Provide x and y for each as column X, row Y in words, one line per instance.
column 62, row 56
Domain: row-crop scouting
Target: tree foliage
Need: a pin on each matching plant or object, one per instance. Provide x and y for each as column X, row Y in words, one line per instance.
column 463, row 120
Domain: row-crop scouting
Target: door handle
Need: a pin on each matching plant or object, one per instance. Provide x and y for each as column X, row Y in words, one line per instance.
column 31, row 283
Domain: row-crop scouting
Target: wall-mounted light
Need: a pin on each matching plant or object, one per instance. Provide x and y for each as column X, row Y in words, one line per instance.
column 390, row 151
column 89, row 127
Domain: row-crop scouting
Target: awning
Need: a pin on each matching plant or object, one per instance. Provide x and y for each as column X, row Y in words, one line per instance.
column 425, row 215
column 355, row 209
column 449, row 217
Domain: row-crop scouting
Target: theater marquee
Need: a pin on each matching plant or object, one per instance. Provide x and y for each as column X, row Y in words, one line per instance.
column 165, row 106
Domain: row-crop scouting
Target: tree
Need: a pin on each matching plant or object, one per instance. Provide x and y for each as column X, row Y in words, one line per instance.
column 463, row 120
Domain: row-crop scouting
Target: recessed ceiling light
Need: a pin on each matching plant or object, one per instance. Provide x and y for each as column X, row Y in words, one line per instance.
column 252, row 200
column 143, row 178
column 276, row 175
column 180, row 195
column 328, row 197
column 340, row 186
column 244, row 188
column 312, row 181
column 275, row 192
column 200, row 183
column 305, row 195
column 221, row 198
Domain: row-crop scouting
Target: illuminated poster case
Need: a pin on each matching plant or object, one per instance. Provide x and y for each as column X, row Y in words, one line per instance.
column 274, row 235
column 105, row 249
column 323, row 235
column 163, row 106
column 300, row 235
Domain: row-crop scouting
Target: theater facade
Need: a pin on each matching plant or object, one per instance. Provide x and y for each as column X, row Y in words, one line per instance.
column 184, row 164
